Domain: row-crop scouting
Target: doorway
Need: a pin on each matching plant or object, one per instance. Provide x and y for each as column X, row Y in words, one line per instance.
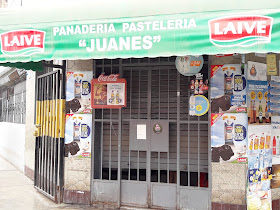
column 166, row 172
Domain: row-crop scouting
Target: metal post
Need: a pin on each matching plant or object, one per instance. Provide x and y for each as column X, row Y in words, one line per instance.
column 93, row 140
column 209, row 141
column 178, row 142
column 148, row 170
column 120, row 143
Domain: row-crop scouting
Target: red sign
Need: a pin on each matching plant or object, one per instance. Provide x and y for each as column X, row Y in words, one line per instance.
column 22, row 42
column 108, row 92
column 241, row 160
column 215, row 117
column 240, row 30
column 215, row 69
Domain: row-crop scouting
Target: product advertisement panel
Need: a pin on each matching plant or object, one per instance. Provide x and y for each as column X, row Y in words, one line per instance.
column 275, row 137
column 78, row 133
column 108, row 92
column 229, row 137
column 275, row 182
column 78, row 92
column 228, row 89
column 259, row 167
column 258, row 111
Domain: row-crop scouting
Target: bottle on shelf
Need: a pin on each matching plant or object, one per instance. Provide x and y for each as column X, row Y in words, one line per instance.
column 260, row 113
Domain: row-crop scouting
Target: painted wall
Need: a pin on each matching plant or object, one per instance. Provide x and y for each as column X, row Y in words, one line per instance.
column 12, row 143
column 29, row 150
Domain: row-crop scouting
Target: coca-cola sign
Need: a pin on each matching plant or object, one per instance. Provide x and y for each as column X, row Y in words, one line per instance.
column 108, row 92
column 109, row 78
column 241, row 31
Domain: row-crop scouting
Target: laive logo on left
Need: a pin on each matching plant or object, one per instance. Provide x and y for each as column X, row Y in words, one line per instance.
column 22, row 42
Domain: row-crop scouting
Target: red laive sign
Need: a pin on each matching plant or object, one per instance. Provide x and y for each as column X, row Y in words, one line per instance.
column 22, row 42
column 240, row 30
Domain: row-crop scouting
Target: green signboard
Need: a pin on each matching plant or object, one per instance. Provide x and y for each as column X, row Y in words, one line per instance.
column 150, row 36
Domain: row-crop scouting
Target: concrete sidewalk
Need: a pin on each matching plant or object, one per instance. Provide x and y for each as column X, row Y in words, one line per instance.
column 17, row 192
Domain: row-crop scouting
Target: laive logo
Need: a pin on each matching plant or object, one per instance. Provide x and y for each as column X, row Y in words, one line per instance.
column 22, row 42
column 241, row 31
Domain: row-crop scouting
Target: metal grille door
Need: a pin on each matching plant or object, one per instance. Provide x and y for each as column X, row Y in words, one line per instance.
column 156, row 173
column 49, row 150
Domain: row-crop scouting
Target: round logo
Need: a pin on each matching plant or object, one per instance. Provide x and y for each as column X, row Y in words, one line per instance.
column 189, row 65
column 157, row 128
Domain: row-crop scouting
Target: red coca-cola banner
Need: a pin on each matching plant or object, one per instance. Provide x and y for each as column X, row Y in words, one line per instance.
column 108, row 92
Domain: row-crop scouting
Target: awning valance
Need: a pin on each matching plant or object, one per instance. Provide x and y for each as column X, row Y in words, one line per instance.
column 98, row 31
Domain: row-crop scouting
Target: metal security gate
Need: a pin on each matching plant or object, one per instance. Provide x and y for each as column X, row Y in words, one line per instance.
column 167, row 174
column 49, row 148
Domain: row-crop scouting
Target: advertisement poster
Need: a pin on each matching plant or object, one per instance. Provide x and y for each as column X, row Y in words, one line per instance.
column 78, row 92
column 189, row 65
column 115, row 93
column 259, row 167
column 275, row 182
column 108, row 92
column 256, row 71
column 199, row 105
column 275, row 136
column 228, row 89
column 78, row 132
column 271, row 64
column 274, row 95
column 198, row 85
column 229, row 137
column 257, row 99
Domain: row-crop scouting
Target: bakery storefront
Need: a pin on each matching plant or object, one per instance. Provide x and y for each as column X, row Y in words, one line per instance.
column 170, row 110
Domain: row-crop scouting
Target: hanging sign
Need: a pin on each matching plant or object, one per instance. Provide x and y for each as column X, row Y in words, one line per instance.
column 108, row 92
column 219, row 32
column 189, row 65
column 198, row 105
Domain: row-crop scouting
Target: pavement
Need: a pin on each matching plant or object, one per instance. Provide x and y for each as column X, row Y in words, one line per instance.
column 17, row 192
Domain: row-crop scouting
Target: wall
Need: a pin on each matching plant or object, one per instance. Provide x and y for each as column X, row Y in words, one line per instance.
column 12, row 140
column 77, row 170
column 228, row 179
column 12, row 143
column 29, row 150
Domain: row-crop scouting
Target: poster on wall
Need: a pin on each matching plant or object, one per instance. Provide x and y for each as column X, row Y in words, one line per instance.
column 228, row 89
column 257, row 100
column 275, row 182
column 189, row 65
column 78, row 89
column 259, row 167
column 78, row 132
column 274, row 95
column 229, row 137
column 198, row 85
column 275, row 136
column 271, row 64
column 198, row 105
column 108, row 92
column 256, row 71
